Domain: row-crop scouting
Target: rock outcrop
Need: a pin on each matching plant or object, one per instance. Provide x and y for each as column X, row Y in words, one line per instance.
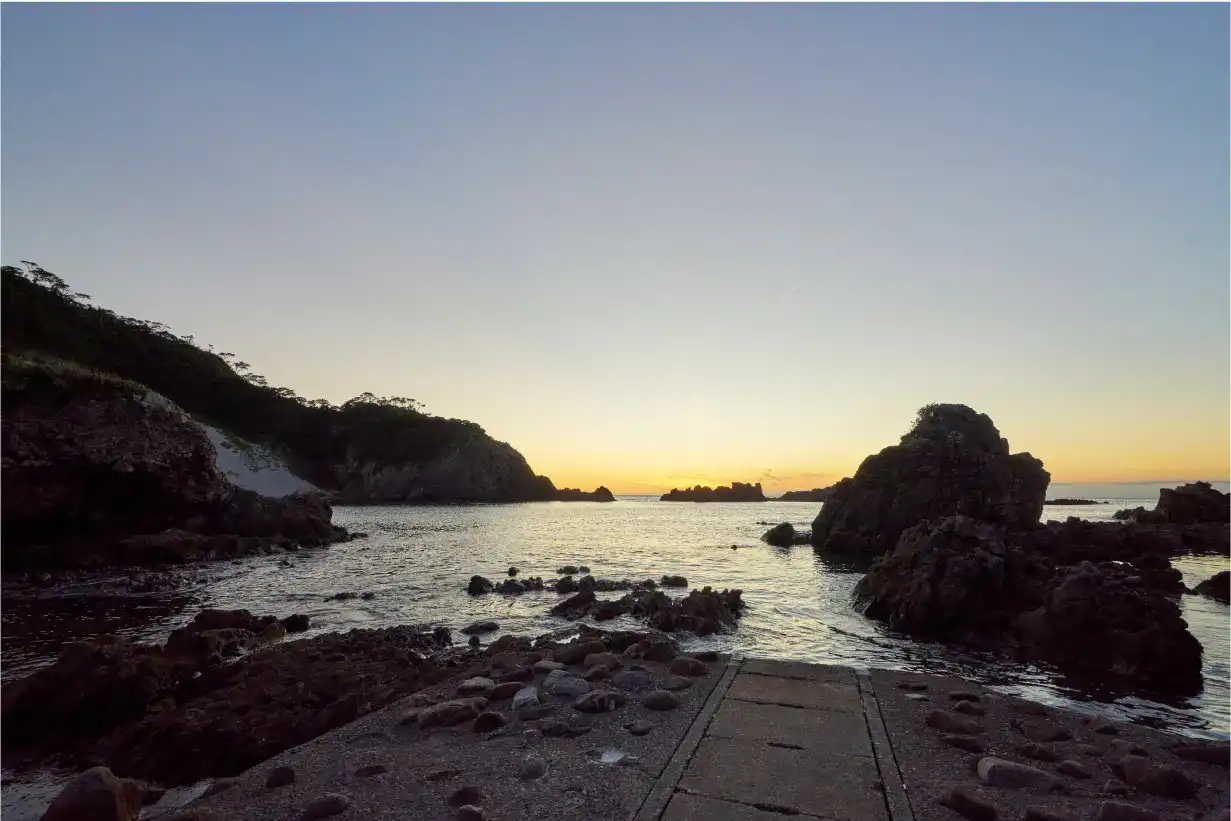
column 737, row 492
column 569, row 494
column 1194, row 503
column 952, row 462
column 1217, row 587
column 956, row 580
column 475, row 468
column 817, row 494
column 98, row 471
column 785, row 535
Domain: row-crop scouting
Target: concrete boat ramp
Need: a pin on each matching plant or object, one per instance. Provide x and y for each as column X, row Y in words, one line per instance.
column 751, row 740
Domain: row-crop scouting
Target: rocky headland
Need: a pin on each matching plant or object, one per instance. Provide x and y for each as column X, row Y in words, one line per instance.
column 737, row 492
column 569, row 494
column 817, row 494
column 1073, row 502
column 953, row 519
column 1191, row 504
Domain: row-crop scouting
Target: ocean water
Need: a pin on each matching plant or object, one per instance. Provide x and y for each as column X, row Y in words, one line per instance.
column 417, row 561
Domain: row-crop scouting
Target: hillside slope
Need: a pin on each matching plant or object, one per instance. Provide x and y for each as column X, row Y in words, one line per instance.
column 369, row 449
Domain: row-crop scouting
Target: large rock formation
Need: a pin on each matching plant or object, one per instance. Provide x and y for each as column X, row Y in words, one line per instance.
column 956, row 580
column 90, row 461
column 1217, row 587
column 1194, row 503
column 475, row 468
column 737, row 492
column 952, row 462
column 569, row 494
column 817, row 494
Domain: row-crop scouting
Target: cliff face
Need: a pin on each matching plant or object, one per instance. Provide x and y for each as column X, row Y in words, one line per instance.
column 91, row 462
column 475, row 469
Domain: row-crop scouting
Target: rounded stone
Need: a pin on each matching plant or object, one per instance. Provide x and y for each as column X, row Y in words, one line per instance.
column 488, row 721
column 280, row 777
column 331, row 803
column 470, row 812
column 531, row 767
column 661, row 700
column 676, row 683
column 466, row 795
column 639, row 727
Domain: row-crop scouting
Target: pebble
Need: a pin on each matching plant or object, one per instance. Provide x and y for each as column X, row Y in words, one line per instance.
column 596, row 673
column 676, row 683
column 1072, row 768
column 506, row 689
column 964, row 695
column 964, row 742
column 475, row 686
column 1106, row 728
column 661, row 700
column 1044, row 814
column 531, row 767
column 1167, row 782
column 1042, row 731
column 633, row 681
column 570, row 686
column 1115, row 811
column 469, row 812
column 440, row 775
column 599, row 701
column 331, row 803
column 1000, row 773
column 487, row 721
column 1113, row 787
column 950, row 723
column 466, row 795
column 546, row 666
column 1088, row 750
column 1039, row 752
column 369, row 770
column 512, row 571
column 520, row 673
column 609, row 660
column 688, row 666
column 970, row 708
column 965, row 803
column 526, row 697
column 639, row 727
column 280, row 777
column 912, row 685
column 917, row 697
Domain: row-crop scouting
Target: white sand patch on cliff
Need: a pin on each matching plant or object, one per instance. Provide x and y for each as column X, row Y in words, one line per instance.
column 254, row 467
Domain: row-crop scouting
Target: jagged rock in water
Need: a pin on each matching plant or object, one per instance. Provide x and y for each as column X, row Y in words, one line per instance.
column 1217, row 587
column 1194, row 503
column 737, row 492
column 569, row 494
column 781, row 535
column 952, row 462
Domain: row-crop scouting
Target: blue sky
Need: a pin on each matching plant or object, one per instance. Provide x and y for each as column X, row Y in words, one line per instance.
column 655, row 244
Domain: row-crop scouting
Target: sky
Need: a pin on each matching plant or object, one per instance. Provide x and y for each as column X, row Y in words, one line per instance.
column 654, row 246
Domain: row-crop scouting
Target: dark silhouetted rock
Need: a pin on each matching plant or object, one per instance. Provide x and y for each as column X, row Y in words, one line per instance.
column 737, row 492
column 968, row 804
column 1195, row 503
column 568, row 494
column 97, row 795
column 1217, row 587
column 952, row 462
column 479, row 627
column 280, row 777
column 479, row 585
column 784, row 535
column 818, row 494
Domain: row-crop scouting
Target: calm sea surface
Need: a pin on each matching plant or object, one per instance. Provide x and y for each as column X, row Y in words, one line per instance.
column 417, row 561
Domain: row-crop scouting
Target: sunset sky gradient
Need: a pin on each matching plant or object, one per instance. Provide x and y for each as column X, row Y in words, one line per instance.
column 659, row 245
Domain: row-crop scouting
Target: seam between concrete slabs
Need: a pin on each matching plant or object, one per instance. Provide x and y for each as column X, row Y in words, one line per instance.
column 897, row 802
column 656, row 801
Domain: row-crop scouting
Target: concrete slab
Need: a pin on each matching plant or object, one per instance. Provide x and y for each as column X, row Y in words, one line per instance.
column 826, row 730
column 799, row 669
column 840, row 787
column 822, row 695
column 685, row 807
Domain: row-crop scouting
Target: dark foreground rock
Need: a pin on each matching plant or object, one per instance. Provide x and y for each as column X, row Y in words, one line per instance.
column 955, row 580
column 737, row 492
column 569, row 494
column 1194, row 503
column 1217, row 587
column 953, row 461
column 818, row 494
column 785, row 535
column 177, row 713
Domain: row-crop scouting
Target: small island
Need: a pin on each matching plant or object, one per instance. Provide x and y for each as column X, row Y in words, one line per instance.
column 1073, row 502
column 572, row 494
column 737, row 492
column 817, row 494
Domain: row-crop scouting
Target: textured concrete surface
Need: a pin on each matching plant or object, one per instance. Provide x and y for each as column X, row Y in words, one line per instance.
column 826, row 731
column 796, row 692
column 685, row 807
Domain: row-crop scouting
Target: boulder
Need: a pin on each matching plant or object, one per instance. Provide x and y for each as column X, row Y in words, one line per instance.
column 1217, row 587
column 1194, row 503
column 479, row 585
column 781, row 535
column 952, row 462
column 97, row 795
column 1000, row 773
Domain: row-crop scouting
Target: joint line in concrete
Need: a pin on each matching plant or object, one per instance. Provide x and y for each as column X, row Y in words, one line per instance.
column 897, row 802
